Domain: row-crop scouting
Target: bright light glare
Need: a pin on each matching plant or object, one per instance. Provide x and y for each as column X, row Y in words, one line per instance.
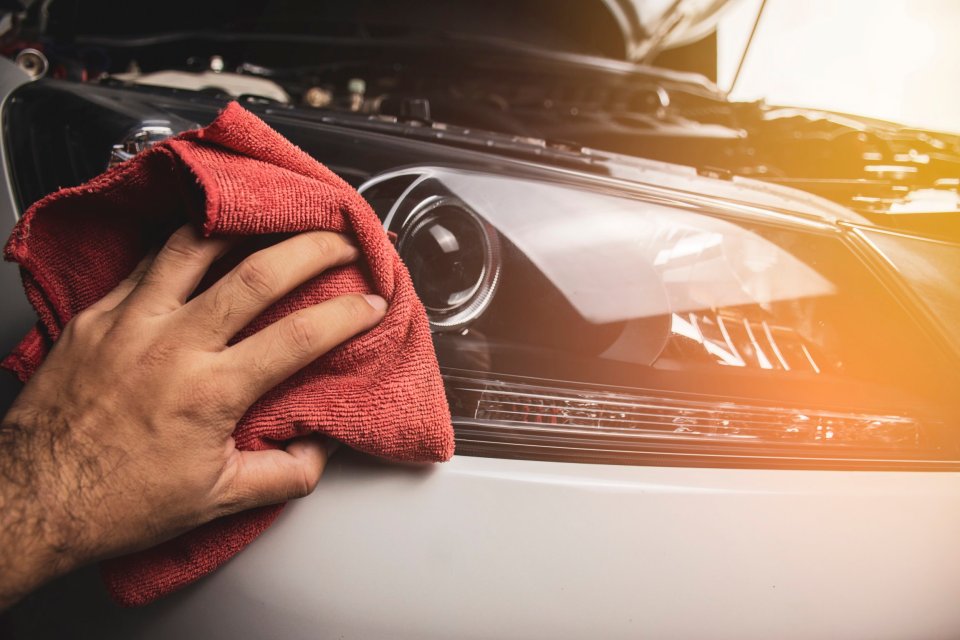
column 891, row 59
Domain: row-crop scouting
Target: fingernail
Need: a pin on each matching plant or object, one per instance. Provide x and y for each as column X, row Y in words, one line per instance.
column 376, row 302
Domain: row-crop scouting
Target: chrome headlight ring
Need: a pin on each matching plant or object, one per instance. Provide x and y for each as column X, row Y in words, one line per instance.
column 464, row 246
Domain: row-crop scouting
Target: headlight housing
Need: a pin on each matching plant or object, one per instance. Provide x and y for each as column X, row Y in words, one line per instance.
column 631, row 328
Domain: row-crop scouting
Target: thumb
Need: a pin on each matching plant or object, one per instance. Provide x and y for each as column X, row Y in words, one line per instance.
column 277, row 475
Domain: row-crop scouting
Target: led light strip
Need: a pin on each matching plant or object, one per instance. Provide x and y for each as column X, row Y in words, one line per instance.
column 520, row 419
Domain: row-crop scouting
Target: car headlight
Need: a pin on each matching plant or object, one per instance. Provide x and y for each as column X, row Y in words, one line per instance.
column 622, row 327
column 581, row 318
column 454, row 256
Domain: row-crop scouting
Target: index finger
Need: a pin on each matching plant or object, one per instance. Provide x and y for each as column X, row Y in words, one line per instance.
column 276, row 352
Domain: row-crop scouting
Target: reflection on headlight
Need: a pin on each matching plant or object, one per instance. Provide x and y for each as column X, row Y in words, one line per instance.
column 740, row 342
column 616, row 259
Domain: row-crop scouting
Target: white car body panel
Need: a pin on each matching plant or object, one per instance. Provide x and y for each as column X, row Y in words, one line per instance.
column 485, row 548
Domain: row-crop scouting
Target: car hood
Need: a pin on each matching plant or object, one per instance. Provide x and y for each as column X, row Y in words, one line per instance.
column 650, row 26
column 632, row 30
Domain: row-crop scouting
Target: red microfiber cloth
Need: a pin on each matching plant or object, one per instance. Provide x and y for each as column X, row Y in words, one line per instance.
column 380, row 392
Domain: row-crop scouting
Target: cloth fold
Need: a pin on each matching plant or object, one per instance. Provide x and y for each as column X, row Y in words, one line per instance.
column 380, row 392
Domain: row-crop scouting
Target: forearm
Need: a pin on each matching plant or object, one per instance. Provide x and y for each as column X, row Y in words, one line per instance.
column 38, row 539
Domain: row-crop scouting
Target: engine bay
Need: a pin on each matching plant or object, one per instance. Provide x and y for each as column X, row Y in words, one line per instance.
column 895, row 176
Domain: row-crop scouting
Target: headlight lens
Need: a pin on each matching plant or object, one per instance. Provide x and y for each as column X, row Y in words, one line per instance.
column 638, row 329
column 932, row 267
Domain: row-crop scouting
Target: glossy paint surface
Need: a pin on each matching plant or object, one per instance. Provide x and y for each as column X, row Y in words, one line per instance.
column 486, row 548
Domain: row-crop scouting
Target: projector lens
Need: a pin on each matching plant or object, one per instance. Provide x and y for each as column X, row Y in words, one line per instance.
column 454, row 261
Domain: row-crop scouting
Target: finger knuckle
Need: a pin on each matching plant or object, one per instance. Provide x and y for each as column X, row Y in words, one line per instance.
column 85, row 324
column 300, row 336
column 183, row 246
column 356, row 309
column 256, row 277
column 322, row 243
column 221, row 308
column 306, row 482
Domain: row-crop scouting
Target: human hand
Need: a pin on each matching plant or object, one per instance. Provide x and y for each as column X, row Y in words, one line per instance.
column 122, row 438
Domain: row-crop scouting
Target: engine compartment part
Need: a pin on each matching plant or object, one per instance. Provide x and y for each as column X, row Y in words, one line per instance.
column 233, row 84
column 33, row 62
column 897, row 177
column 140, row 139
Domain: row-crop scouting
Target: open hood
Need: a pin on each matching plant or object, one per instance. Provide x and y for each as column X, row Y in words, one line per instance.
column 650, row 26
column 633, row 30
